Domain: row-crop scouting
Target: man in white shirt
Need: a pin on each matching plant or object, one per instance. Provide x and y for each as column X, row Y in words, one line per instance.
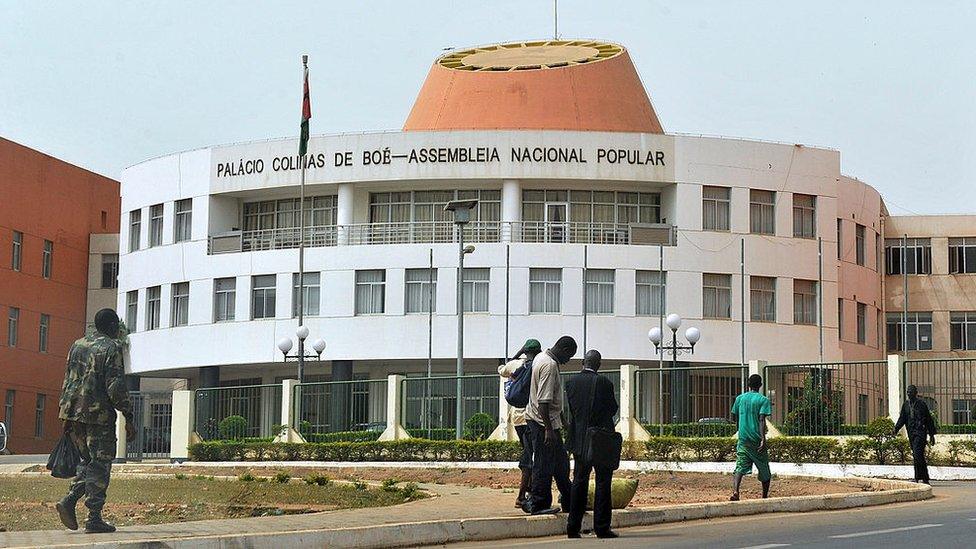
column 544, row 429
column 530, row 350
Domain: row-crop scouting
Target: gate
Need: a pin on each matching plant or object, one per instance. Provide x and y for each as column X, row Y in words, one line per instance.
column 153, row 417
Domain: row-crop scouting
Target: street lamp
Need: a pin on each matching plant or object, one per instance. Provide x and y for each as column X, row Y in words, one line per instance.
column 285, row 345
column 693, row 335
column 462, row 216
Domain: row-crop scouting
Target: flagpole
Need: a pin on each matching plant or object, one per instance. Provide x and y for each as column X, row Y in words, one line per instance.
column 301, row 231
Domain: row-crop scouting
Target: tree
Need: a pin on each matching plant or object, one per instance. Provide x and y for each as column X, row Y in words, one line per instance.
column 817, row 411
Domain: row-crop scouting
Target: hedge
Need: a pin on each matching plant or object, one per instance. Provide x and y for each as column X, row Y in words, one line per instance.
column 692, row 429
column 344, row 436
column 400, row 450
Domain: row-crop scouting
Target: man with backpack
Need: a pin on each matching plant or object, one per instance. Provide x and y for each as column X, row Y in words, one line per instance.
column 518, row 371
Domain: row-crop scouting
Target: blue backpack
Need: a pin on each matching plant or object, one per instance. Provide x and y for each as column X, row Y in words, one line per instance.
column 517, row 388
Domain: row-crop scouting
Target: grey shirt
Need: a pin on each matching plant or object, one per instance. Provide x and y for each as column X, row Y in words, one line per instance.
column 546, row 386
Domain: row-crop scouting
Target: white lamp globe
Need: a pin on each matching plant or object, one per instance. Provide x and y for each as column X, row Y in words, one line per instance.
column 692, row 335
column 654, row 334
column 284, row 345
column 302, row 332
column 319, row 345
column 673, row 321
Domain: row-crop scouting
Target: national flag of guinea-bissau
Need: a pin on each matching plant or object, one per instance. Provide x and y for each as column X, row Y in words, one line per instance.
column 306, row 115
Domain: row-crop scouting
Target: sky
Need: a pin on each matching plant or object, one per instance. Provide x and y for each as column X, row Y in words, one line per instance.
column 892, row 85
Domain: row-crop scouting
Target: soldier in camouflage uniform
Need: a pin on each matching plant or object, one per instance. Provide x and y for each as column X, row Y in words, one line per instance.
column 94, row 388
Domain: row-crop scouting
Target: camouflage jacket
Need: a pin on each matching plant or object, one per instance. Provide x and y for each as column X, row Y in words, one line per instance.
column 94, row 382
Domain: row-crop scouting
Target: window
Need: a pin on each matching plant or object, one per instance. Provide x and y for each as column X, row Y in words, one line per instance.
column 135, row 229
column 545, row 288
column 859, row 243
column 715, row 208
column 599, row 291
column 13, row 319
column 110, row 270
column 131, row 309
column 862, row 323
column 155, row 225
column 43, row 330
column 475, row 288
column 47, row 259
column 840, row 239
column 594, row 206
column 428, row 206
column 804, row 301
column 320, row 211
column 153, row 302
column 650, row 293
column 182, row 226
column 840, row 319
column 263, row 296
column 963, row 411
column 310, row 298
column 180, row 305
column 762, row 298
column 39, row 416
column 804, row 216
column 716, row 295
column 916, row 256
column 370, row 292
column 225, row 299
column 919, row 332
column 962, row 331
column 962, row 255
column 421, row 291
column 8, row 409
column 762, row 212
column 17, row 255
column 862, row 409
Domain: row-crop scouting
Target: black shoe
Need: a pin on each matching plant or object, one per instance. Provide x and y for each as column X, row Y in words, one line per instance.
column 609, row 534
column 66, row 512
column 95, row 525
column 550, row 511
column 573, row 535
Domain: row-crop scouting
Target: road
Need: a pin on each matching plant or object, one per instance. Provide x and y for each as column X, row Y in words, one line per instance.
column 27, row 459
column 947, row 520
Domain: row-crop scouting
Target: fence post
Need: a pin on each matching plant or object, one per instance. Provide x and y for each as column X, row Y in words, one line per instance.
column 505, row 429
column 628, row 426
column 896, row 385
column 288, row 433
column 394, row 405
column 121, row 452
column 181, row 428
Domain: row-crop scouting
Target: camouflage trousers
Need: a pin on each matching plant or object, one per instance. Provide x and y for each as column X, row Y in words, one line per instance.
column 96, row 444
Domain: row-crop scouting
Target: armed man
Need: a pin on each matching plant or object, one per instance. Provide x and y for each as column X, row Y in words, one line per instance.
column 94, row 388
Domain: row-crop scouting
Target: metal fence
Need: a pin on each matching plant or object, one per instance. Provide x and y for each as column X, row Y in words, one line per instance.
column 688, row 401
column 948, row 386
column 259, row 406
column 340, row 410
column 837, row 398
column 430, row 403
column 152, row 414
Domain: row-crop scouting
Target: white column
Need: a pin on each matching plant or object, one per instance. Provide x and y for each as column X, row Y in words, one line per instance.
column 896, row 385
column 120, row 450
column 758, row 367
column 505, row 429
column 181, row 429
column 394, row 405
column 345, row 206
column 511, row 209
column 628, row 426
column 288, row 434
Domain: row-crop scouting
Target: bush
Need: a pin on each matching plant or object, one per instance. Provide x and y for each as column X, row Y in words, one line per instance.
column 344, row 436
column 180, row 476
column 711, row 448
column 663, row 448
column 400, row 450
column 390, row 485
column 802, row 449
column 410, row 491
column 360, row 485
column 692, row 429
column 317, row 480
column 880, row 432
column 479, row 427
column 432, row 434
column 281, row 477
column 246, row 477
column 816, row 412
column 232, row 428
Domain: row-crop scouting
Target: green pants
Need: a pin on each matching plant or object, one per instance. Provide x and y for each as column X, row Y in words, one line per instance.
column 748, row 453
column 96, row 444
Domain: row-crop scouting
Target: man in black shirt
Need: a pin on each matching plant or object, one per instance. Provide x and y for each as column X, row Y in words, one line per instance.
column 917, row 420
column 587, row 413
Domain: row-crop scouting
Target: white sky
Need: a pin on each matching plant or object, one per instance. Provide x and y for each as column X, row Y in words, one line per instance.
column 892, row 85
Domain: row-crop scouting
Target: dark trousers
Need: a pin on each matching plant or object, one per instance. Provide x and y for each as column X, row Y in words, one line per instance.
column 918, row 457
column 96, row 444
column 601, row 499
column 549, row 461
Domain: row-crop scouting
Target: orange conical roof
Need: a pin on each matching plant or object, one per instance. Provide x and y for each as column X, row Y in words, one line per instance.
column 551, row 85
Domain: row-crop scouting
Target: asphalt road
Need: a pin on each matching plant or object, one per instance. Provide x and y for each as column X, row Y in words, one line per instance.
column 28, row 459
column 947, row 520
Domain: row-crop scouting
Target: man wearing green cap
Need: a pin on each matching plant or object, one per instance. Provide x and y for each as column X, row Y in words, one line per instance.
column 531, row 348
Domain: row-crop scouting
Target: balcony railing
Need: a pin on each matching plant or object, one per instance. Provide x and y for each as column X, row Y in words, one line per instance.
column 437, row 232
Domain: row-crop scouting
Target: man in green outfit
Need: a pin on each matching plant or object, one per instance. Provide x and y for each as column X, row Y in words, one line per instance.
column 750, row 411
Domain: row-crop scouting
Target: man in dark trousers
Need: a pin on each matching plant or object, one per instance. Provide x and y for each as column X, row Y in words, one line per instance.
column 543, row 421
column 917, row 420
column 591, row 404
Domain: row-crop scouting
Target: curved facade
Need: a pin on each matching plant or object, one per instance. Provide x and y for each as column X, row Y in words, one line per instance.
column 569, row 235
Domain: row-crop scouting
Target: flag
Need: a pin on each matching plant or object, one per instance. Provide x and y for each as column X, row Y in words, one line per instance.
column 306, row 115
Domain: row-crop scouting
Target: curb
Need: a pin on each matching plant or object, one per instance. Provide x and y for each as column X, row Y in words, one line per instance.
column 487, row 529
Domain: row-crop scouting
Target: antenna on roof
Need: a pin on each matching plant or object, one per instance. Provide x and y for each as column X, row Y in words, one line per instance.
column 555, row 19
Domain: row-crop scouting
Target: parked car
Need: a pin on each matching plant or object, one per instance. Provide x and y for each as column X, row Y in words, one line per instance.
column 713, row 421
